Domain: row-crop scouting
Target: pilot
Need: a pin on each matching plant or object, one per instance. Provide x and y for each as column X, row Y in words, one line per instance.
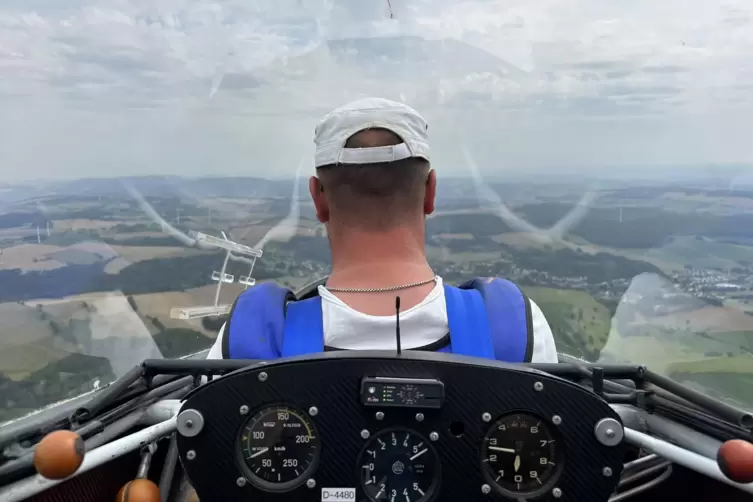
column 373, row 189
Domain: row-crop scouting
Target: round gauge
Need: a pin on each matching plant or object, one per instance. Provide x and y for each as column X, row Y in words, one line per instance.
column 521, row 455
column 399, row 465
column 279, row 448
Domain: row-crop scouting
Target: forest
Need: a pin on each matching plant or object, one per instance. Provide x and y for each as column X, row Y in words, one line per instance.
column 148, row 276
column 641, row 227
column 186, row 272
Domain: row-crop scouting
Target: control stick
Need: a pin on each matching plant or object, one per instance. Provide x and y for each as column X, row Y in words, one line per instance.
column 141, row 489
column 59, row 454
column 735, row 460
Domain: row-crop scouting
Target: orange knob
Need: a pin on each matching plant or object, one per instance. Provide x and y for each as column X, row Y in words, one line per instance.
column 192, row 496
column 139, row 490
column 59, row 454
column 735, row 459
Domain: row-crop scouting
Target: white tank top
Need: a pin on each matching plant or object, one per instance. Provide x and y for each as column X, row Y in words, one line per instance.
column 421, row 325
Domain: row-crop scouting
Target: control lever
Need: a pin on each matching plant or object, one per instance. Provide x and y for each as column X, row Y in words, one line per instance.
column 141, row 489
column 59, row 454
column 735, row 460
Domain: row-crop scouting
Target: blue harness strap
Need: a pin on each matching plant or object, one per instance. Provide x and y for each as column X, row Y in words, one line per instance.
column 256, row 324
column 304, row 328
column 508, row 314
column 469, row 327
column 488, row 318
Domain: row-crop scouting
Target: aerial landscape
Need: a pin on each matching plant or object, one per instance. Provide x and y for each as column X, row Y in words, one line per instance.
column 596, row 153
column 648, row 272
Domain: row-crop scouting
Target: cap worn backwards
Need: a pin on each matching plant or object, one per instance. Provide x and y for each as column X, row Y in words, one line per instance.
column 335, row 128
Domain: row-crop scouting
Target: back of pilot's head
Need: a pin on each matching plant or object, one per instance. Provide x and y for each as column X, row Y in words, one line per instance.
column 372, row 166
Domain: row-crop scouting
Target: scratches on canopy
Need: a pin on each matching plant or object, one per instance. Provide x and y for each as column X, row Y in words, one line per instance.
column 170, row 229
column 287, row 228
column 389, row 9
column 556, row 232
column 283, row 231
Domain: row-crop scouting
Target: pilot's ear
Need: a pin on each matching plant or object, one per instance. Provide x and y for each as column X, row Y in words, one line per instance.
column 319, row 198
column 431, row 192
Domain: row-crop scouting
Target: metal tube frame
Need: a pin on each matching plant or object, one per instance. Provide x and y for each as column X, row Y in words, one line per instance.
column 21, row 490
column 678, row 455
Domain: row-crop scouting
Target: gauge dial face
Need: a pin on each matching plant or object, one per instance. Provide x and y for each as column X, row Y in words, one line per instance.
column 521, row 455
column 399, row 465
column 279, row 448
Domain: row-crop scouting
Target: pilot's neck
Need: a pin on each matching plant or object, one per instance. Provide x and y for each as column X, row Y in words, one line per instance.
column 378, row 259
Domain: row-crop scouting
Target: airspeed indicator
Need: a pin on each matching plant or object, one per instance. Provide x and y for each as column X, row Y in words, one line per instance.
column 279, row 448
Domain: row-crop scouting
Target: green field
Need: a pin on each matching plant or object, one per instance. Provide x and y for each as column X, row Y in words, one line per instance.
column 699, row 252
column 715, row 363
column 724, row 377
column 580, row 324
column 736, row 364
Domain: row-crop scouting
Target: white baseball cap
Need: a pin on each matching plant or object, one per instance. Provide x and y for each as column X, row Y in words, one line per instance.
column 335, row 128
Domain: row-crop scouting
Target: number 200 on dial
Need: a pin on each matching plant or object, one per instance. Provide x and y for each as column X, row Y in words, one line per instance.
column 279, row 448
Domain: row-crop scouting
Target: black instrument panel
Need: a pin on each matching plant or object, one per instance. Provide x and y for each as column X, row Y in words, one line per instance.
column 422, row 427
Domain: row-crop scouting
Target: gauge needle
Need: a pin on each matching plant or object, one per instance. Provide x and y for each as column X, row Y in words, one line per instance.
column 414, row 457
column 260, row 452
column 517, row 463
column 506, row 450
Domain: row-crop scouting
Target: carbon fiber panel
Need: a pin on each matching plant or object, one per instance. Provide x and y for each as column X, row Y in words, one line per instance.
column 472, row 387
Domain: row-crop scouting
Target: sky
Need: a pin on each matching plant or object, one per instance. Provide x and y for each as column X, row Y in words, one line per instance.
column 201, row 87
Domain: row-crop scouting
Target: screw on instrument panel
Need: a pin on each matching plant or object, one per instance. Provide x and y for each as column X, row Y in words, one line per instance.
column 538, row 386
column 434, row 436
column 556, row 419
column 189, row 423
column 244, row 410
column 486, row 417
column 310, row 483
column 556, row 493
column 263, row 376
column 607, row 472
column 379, row 415
column 313, row 411
column 419, row 417
column 365, row 434
column 486, row 489
column 609, row 432
column 190, row 454
column 241, row 481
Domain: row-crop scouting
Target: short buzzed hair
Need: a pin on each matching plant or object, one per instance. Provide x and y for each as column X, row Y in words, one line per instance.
column 374, row 196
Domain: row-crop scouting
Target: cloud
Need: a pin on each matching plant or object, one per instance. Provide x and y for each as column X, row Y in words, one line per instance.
column 181, row 85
